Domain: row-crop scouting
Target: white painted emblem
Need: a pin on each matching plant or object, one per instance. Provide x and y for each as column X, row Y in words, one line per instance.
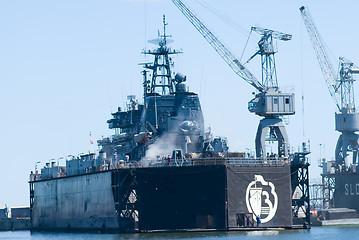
column 258, row 199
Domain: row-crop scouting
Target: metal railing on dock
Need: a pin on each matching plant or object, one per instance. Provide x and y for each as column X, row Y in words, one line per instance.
column 214, row 161
column 169, row 162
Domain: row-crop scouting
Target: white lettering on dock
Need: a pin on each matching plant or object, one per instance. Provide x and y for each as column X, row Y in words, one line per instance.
column 348, row 189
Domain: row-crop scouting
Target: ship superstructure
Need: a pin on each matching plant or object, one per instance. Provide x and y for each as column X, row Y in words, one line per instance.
column 168, row 123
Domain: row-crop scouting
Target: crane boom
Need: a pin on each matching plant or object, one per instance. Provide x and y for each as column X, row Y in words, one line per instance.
column 321, row 53
column 275, row 34
column 270, row 102
column 342, row 91
column 227, row 56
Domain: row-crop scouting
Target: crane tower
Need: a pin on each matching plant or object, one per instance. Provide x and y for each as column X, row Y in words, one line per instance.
column 269, row 102
column 341, row 89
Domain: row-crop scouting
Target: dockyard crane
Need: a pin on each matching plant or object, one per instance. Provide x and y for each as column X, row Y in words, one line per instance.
column 341, row 89
column 270, row 102
column 266, row 50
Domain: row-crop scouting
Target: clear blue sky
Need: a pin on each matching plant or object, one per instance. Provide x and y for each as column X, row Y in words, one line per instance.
column 66, row 65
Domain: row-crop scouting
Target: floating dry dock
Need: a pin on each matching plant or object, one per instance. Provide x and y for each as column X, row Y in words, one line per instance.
column 161, row 171
column 218, row 194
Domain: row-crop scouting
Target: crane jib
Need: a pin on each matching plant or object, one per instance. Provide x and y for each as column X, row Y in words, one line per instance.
column 321, row 54
column 226, row 55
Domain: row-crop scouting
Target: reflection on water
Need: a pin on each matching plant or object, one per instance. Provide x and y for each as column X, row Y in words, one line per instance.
column 263, row 233
column 233, row 235
column 26, row 235
column 316, row 233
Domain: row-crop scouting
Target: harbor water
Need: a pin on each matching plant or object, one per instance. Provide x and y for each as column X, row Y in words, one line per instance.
column 316, row 233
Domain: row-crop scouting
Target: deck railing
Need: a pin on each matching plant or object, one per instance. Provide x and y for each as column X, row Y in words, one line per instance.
column 213, row 161
column 169, row 162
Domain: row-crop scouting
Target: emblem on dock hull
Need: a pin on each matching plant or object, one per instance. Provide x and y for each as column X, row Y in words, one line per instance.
column 261, row 199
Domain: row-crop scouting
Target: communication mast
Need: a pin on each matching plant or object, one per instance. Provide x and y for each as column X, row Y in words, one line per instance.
column 161, row 67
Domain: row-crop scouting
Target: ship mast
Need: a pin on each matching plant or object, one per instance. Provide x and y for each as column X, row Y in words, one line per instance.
column 162, row 81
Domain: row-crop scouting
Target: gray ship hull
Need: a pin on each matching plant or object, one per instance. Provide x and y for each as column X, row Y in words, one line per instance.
column 217, row 197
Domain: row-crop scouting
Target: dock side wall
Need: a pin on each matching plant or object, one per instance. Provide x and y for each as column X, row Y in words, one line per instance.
column 76, row 203
column 346, row 193
column 190, row 197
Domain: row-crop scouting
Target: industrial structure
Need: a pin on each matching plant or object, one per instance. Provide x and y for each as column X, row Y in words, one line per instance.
column 161, row 171
column 270, row 102
column 14, row 218
column 340, row 178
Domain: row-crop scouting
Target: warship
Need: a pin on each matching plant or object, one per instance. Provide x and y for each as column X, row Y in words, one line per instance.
column 162, row 171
